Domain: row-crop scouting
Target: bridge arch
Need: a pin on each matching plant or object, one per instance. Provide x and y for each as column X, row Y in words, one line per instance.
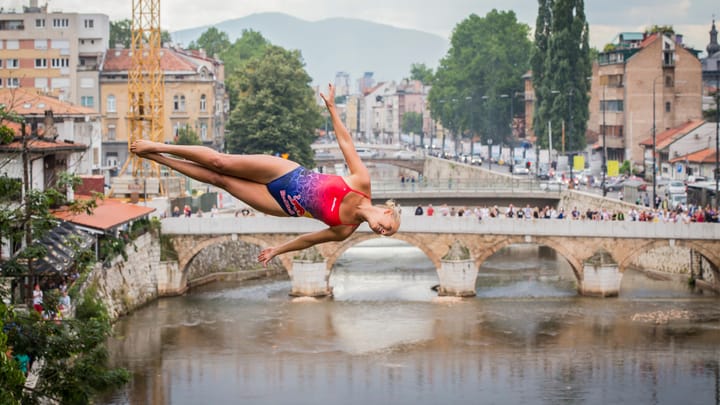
column 706, row 250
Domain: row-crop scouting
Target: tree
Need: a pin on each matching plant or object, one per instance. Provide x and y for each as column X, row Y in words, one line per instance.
column 213, row 41
column 561, row 66
column 487, row 59
column 236, row 56
column 412, row 122
column 186, row 136
column 121, row 34
column 275, row 111
column 422, row 73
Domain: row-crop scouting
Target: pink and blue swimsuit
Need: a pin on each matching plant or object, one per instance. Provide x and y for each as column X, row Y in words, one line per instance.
column 305, row 193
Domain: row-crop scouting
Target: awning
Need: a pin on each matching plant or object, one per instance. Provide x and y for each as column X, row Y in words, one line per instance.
column 62, row 243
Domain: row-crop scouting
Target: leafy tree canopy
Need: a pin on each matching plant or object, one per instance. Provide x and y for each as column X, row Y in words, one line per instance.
column 187, row 136
column 213, row 41
column 419, row 71
column 121, row 34
column 275, row 111
column 487, row 59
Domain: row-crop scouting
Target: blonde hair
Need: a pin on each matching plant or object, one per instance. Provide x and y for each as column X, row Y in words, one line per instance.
column 396, row 211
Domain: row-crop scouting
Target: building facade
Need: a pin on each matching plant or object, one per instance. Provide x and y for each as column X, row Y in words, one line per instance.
column 56, row 53
column 711, row 70
column 195, row 98
column 640, row 87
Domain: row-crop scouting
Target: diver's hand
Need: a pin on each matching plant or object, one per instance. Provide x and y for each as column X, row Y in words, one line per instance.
column 266, row 255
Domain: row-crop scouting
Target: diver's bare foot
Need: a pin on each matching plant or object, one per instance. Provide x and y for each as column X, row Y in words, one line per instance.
column 143, row 147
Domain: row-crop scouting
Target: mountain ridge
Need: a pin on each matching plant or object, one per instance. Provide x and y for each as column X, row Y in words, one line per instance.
column 338, row 44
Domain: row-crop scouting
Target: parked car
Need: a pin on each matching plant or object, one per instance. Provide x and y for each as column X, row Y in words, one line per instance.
column 675, row 187
column 614, row 184
column 367, row 153
column 476, row 160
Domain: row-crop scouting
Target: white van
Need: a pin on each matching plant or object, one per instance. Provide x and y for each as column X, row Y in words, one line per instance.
column 678, row 199
column 367, row 153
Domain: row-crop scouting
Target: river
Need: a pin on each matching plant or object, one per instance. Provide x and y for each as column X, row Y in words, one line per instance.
column 385, row 338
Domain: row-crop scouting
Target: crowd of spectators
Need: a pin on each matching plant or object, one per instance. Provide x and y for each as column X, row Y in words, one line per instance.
column 636, row 213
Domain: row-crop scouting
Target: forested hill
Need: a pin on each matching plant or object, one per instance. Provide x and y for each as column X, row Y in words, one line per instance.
column 338, row 44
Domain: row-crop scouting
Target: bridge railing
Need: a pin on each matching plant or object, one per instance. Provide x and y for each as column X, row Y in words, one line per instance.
column 507, row 184
column 225, row 225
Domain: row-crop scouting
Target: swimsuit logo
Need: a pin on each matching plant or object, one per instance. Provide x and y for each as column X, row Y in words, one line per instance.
column 292, row 205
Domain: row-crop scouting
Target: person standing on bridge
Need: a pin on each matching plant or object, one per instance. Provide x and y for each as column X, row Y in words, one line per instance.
column 281, row 187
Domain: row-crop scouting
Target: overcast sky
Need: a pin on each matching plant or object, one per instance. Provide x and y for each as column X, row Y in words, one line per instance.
column 692, row 18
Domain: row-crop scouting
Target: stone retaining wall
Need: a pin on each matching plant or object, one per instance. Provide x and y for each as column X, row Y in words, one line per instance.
column 128, row 284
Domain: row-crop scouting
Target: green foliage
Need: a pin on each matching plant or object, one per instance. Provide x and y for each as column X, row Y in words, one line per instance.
column 561, row 65
column 626, row 168
column 663, row 29
column 412, row 122
column 121, row 33
column 487, row 59
column 212, row 41
column 6, row 135
column 275, row 111
column 251, row 44
column 419, row 71
column 10, row 189
column 187, row 136
column 13, row 380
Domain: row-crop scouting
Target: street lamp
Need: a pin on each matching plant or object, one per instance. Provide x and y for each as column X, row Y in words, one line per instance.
column 654, row 158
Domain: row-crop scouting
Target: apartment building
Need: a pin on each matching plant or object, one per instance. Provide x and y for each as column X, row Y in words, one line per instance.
column 642, row 83
column 194, row 97
column 53, row 52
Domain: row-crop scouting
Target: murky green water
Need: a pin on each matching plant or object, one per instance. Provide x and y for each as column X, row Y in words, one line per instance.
column 527, row 338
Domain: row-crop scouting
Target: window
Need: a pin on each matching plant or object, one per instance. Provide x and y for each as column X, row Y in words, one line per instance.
column 611, row 105
column 89, row 23
column 57, row 63
column 87, row 101
column 13, row 64
column 87, row 83
column 0, row 81
column 39, row 23
column 668, row 107
column 203, row 103
column 13, row 82
column 41, row 63
column 111, row 133
column 60, row 23
column 41, row 44
column 203, row 131
column 178, row 103
column 111, row 107
column 12, row 44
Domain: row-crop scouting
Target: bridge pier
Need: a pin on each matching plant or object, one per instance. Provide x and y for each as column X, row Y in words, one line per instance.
column 310, row 276
column 601, row 276
column 457, row 273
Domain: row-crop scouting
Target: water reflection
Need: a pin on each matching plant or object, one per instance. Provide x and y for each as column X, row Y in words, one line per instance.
column 527, row 338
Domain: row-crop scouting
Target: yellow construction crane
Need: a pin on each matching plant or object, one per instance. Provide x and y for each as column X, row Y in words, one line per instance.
column 146, row 87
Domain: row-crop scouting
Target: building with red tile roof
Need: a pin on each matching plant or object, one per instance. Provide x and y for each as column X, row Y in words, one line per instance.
column 61, row 137
column 109, row 216
column 674, row 146
column 194, row 97
column 644, row 80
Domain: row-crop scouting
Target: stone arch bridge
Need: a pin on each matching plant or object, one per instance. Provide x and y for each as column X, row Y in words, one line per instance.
column 579, row 242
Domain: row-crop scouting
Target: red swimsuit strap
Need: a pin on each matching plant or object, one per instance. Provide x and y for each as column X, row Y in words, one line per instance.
column 357, row 192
